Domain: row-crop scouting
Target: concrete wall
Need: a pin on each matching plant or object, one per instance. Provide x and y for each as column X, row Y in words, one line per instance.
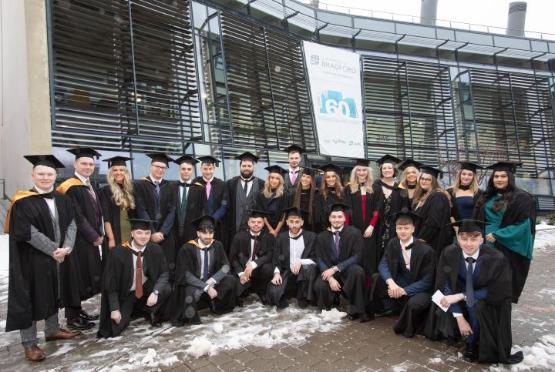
column 24, row 95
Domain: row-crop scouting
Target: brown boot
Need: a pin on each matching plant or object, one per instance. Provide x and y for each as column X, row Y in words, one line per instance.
column 34, row 354
column 63, row 334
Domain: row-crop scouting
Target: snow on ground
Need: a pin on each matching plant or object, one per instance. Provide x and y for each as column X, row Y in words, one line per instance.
column 538, row 357
column 545, row 236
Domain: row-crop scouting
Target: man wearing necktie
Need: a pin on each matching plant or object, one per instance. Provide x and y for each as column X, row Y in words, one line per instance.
column 405, row 280
column 338, row 258
column 294, row 157
column 294, row 264
column 190, row 197
column 203, row 277
column 155, row 200
column 251, row 256
column 476, row 281
column 242, row 191
column 136, row 282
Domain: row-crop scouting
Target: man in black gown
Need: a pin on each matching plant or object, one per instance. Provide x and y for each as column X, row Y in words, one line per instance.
column 251, row 256
column 41, row 228
column 294, row 266
column 190, row 201
column 155, row 200
column 203, row 277
column 476, row 281
column 135, row 282
column 406, row 274
column 242, row 191
column 338, row 255
column 293, row 176
column 86, row 258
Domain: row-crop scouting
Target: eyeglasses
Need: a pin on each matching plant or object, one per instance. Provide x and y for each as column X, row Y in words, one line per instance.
column 159, row 166
column 426, row 179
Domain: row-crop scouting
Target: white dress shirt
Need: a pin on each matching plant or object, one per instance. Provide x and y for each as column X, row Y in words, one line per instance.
column 465, row 256
column 406, row 252
column 296, row 249
column 183, row 189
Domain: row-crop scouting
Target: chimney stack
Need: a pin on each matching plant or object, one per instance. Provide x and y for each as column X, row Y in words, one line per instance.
column 428, row 12
column 517, row 18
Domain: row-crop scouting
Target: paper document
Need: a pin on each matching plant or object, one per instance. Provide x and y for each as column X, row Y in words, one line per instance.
column 436, row 298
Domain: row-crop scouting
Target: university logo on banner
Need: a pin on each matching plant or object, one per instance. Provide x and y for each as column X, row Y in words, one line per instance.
column 334, row 76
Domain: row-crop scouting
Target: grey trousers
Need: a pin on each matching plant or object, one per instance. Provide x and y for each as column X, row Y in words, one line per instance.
column 29, row 335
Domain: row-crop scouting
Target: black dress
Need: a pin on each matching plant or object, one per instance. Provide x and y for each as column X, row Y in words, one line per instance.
column 273, row 206
column 434, row 217
column 112, row 214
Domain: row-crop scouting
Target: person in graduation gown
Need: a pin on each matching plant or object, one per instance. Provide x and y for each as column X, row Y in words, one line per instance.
column 89, row 238
column 431, row 204
column 155, row 200
column 465, row 192
column 251, row 255
column 190, row 197
column 410, row 172
column 203, row 276
column 392, row 199
column 294, row 158
column 273, row 200
column 216, row 202
column 294, row 264
column 338, row 251
column 511, row 214
column 41, row 227
column 475, row 280
column 136, row 282
column 118, row 203
column 406, row 277
column 242, row 191
column 304, row 195
column 365, row 206
column 331, row 192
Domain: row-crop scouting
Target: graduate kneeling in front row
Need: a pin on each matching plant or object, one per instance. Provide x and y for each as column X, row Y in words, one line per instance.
column 135, row 282
column 295, row 269
column 338, row 251
column 203, row 277
column 476, row 281
column 406, row 274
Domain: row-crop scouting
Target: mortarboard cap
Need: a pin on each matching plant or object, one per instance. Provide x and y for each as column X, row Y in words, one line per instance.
column 331, row 168
column 276, row 169
column 431, row 171
column 388, row 159
column 408, row 162
column 362, row 162
column 309, row 171
column 204, row 222
column 140, row 224
column 294, row 148
column 405, row 213
column 117, row 160
column 469, row 225
column 46, row 160
column 160, row 157
column 207, row 159
column 84, row 152
column 186, row 159
column 256, row 213
column 338, row 207
column 247, row 156
column 506, row 165
column 292, row 211
column 467, row 165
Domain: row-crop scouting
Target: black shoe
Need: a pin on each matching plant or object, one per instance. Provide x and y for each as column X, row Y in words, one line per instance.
column 384, row 313
column 88, row 317
column 154, row 321
column 470, row 354
column 366, row 317
column 352, row 316
column 282, row 304
column 302, row 303
column 196, row 320
column 79, row 324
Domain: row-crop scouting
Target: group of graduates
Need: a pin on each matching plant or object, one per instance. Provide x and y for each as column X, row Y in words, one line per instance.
column 164, row 250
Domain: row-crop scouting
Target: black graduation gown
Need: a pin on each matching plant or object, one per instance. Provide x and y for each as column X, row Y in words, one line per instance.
column 232, row 186
column 454, row 212
column 371, row 253
column 493, row 314
column 36, row 288
column 240, row 254
column 217, row 205
column 521, row 207
column 432, row 226
column 304, row 206
column 301, row 285
column 145, row 200
column 189, row 295
column 413, row 308
column 351, row 278
column 290, row 187
column 322, row 207
column 111, row 214
column 274, row 207
column 88, row 215
column 118, row 279
column 399, row 200
column 196, row 198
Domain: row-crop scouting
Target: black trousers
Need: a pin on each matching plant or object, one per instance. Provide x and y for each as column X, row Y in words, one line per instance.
column 132, row 308
column 352, row 282
column 196, row 299
column 300, row 286
column 260, row 278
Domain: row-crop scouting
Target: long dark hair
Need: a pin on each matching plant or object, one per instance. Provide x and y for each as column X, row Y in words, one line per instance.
column 297, row 197
column 491, row 191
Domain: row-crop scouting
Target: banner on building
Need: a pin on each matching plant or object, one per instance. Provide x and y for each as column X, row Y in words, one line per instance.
column 334, row 76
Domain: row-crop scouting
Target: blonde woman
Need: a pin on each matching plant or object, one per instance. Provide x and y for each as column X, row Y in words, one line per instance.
column 409, row 176
column 364, row 213
column 118, row 202
column 272, row 200
column 431, row 204
column 465, row 192
column 331, row 192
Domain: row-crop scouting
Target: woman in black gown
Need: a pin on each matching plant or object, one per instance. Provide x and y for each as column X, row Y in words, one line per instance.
column 273, row 200
column 331, row 192
column 465, row 192
column 304, row 196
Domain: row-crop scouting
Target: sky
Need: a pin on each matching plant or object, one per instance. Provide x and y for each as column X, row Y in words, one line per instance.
column 540, row 14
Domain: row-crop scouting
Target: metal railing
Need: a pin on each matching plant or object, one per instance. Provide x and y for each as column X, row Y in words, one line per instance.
column 4, row 195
